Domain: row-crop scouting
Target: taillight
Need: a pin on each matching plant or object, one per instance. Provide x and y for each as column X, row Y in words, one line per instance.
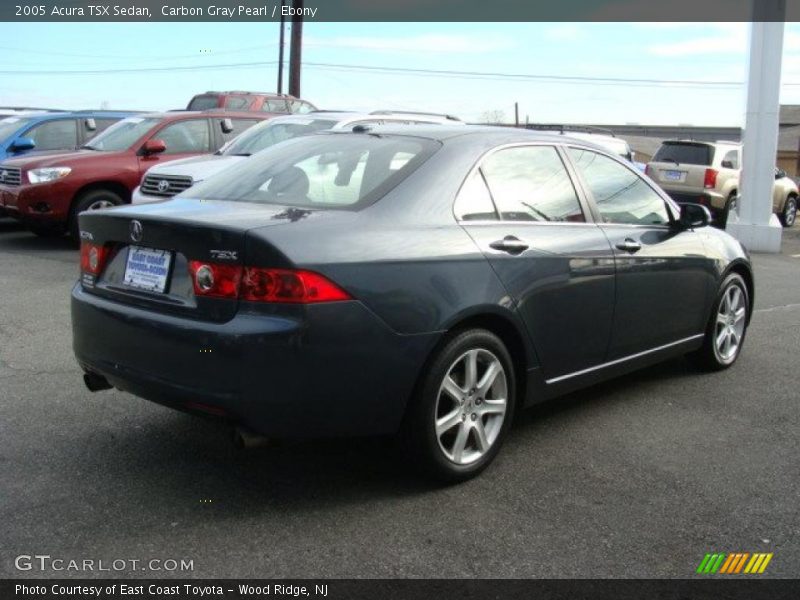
column 218, row 281
column 281, row 285
column 647, row 171
column 710, row 180
column 93, row 257
column 256, row 284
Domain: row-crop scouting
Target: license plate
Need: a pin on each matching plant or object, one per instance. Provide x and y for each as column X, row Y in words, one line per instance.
column 673, row 175
column 147, row 268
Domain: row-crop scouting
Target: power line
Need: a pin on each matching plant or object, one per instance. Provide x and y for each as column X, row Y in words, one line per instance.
column 573, row 79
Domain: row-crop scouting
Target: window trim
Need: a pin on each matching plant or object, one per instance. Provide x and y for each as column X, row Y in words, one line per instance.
column 673, row 211
column 590, row 217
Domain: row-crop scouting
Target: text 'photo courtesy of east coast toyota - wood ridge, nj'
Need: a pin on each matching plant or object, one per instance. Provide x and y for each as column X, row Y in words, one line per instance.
column 427, row 299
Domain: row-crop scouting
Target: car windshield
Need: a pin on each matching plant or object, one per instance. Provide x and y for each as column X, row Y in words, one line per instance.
column 271, row 132
column 121, row 135
column 10, row 125
column 320, row 171
column 683, row 153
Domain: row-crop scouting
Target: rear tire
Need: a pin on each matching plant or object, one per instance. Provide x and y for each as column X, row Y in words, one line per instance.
column 789, row 214
column 91, row 200
column 727, row 327
column 463, row 407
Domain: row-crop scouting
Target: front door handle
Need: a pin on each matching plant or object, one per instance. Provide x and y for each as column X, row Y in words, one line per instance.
column 630, row 245
column 510, row 244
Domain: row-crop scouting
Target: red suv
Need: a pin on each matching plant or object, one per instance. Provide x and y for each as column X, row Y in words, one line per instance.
column 48, row 190
column 251, row 101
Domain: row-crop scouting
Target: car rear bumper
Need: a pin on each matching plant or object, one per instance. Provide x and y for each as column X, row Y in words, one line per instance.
column 323, row 370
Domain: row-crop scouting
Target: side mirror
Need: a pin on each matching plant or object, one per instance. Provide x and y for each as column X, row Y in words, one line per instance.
column 91, row 124
column 694, row 215
column 227, row 125
column 22, row 144
column 154, row 146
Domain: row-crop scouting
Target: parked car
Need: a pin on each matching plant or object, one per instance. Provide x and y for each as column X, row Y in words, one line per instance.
column 250, row 101
column 52, row 130
column 165, row 181
column 436, row 280
column 596, row 135
column 47, row 192
column 708, row 173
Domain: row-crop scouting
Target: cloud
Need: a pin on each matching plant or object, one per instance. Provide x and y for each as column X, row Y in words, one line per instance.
column 452, row 44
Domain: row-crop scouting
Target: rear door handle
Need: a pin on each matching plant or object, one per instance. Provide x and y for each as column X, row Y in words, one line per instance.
column 629, row 245
column 510, row 244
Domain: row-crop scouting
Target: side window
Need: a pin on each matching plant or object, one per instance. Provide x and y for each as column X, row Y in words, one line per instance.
column 731, row 160
column 275, row 105
column 237, row 103
column 474, row 202
column 185, row 136
column 531, row 184
column 299, row 107
column 239, row 125
column 54, row 135
column 620, row 194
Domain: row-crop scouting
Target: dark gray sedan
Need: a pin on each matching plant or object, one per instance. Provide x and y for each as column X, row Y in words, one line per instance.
column 421, row 281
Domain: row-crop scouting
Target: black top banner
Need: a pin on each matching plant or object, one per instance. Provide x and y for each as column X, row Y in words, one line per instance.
column 400, row 10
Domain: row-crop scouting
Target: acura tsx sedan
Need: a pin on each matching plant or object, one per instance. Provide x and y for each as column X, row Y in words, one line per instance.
column 422, row 281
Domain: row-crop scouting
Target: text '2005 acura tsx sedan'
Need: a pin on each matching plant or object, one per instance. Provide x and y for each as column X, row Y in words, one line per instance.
column 420, row 281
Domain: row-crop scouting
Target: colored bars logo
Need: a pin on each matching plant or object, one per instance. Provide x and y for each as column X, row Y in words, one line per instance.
column 734, row 563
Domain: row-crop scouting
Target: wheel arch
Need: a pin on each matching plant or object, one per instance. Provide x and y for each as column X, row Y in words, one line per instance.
column 743, row 269
column 113, row 186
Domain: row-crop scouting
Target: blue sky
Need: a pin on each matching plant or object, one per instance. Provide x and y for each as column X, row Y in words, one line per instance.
column 696, row 52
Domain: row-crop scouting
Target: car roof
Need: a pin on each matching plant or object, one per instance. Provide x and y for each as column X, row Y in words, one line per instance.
column 342, row 118
column 705, row 143
column 186, row 114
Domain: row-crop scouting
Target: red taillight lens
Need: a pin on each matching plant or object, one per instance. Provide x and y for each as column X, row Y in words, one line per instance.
column 710, row 180
column 281, row 285
column 217, row 281
column 263, row 285
column 93, row 257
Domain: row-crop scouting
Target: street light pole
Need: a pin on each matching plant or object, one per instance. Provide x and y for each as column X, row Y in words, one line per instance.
column 295, row 58
column 280, row 49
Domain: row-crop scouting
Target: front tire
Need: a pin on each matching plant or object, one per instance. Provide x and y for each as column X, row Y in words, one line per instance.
column 789, row 214
column 727, row 326
column 463, row 408
column 91, row 200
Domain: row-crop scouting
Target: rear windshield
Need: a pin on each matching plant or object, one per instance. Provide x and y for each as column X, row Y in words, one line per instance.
column 10, row 125
column 683, row 153
column 320, row 171
column 121, row 135
column 203, row 103
column 274, row 131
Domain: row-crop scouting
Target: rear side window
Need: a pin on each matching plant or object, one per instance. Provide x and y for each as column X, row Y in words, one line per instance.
column 683, row 153
column 325, row 171
column 299, row 107
column 474, row 203
column 275, row 105
column 730, row 160
column 531, row 184
column 185, row 136
column 54, row 135
column 203, row 103
column 237, row 103
column 620, row 194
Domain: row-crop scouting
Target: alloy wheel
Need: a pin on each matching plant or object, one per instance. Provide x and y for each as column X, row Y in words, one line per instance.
column 98, row 204
column 471, row 406
column 729, row 329
column 790, row 212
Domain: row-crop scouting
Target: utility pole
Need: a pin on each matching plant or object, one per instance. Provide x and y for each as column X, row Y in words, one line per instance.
column 295, row 58
column 280, row 49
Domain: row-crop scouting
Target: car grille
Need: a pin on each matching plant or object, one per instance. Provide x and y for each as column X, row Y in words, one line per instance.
column 165, row 186
column 10, row 176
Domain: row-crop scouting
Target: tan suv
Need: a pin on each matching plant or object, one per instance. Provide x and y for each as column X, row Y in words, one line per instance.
column 708, row 173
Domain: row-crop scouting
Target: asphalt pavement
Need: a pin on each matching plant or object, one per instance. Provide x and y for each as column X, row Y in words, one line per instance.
column 638, row 477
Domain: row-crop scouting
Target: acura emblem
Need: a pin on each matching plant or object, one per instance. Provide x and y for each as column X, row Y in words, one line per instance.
column 136, row 231
column 163, row 185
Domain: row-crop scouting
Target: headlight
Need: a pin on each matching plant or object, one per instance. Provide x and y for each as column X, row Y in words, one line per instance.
column 48, row 174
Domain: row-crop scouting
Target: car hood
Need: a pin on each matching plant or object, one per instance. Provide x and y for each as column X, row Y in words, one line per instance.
column 59, row 159
column 196, row 167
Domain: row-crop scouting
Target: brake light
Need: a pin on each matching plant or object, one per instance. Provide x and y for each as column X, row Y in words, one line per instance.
column 214, row 280
column 281, row 285
column 93, row 257
column 710, row 180
column 256, row 284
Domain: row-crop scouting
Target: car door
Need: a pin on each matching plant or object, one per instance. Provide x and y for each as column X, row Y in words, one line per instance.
column 664, row 280
column 522, row 209
column 57, row 134
column 183, row 138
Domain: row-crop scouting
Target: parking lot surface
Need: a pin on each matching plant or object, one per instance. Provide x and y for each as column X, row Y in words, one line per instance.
column 638, row 477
